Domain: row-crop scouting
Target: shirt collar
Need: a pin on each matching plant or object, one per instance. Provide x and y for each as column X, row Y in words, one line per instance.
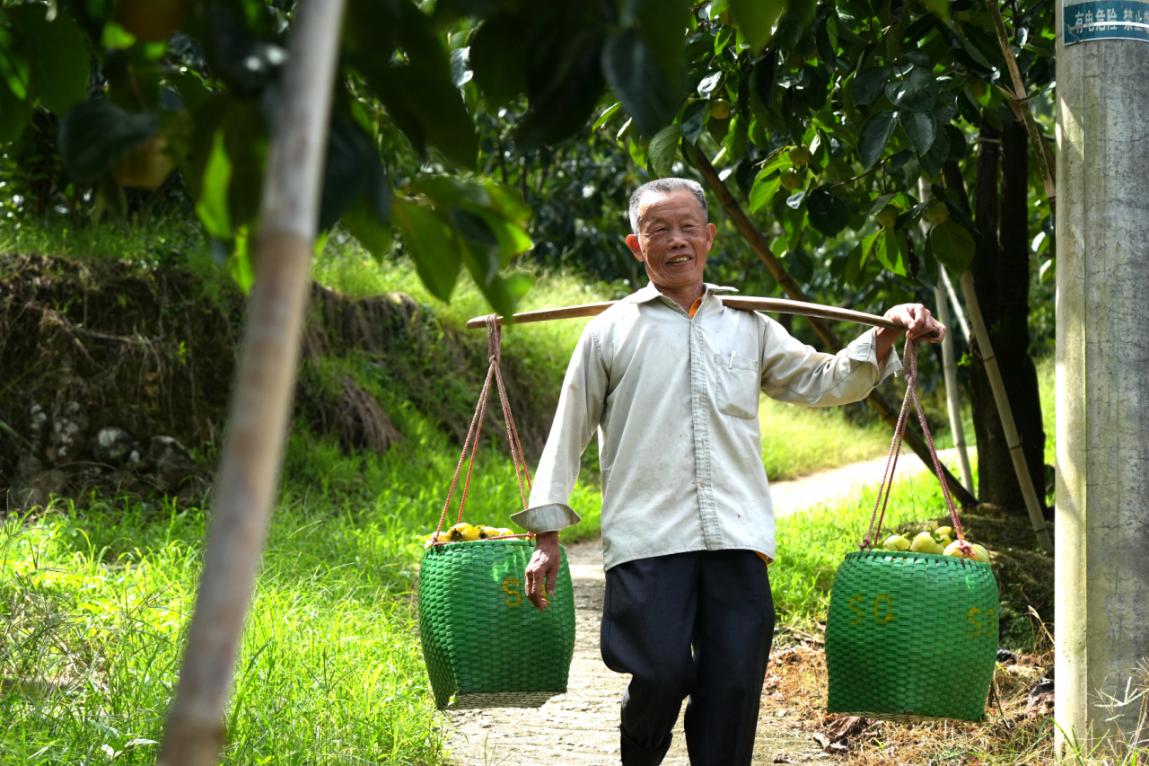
column 650, row 293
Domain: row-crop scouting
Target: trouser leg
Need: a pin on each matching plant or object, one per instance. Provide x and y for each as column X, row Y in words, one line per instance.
column 732, row 642
column 648, row 616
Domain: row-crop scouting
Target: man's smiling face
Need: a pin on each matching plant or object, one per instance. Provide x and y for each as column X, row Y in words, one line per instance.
column 673, row 241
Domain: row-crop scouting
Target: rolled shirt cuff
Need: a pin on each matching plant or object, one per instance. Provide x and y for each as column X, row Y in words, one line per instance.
column 864, row 348
column 546, row 518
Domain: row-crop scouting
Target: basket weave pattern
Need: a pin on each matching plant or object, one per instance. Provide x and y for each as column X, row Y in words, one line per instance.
column 911, row 635
column 484, row 643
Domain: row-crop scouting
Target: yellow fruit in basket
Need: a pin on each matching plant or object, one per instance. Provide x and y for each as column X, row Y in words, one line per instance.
column 896, row 543
column 924, row 542
column 955, row 549
column 462, row 533
column 944, row 535
column 980, row 553
column 486, row 533
column 504, row 532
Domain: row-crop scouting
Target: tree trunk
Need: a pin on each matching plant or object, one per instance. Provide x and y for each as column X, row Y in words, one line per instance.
column 1001, row 276
column 261, row 397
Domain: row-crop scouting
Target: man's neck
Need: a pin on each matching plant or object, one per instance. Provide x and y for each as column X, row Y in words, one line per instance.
column 684, row 297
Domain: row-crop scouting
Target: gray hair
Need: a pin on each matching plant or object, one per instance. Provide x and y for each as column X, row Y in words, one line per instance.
column 664, row 186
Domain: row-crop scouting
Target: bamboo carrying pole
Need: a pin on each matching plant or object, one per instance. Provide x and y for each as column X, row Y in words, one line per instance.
column 776, row 305
column 261, row 401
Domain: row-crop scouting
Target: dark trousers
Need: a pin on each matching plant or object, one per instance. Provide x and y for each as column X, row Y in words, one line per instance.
column 692, row 624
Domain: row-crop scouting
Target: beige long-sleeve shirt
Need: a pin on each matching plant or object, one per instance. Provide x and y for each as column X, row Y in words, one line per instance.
column 674, row 400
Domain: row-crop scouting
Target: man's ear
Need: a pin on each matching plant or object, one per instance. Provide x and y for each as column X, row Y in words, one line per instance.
column 635, row 247
column 712, row 230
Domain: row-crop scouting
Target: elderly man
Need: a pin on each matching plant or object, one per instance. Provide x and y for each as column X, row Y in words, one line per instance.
column 670, row 378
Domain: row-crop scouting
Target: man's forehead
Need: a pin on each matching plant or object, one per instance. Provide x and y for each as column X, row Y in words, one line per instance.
column 678, row 203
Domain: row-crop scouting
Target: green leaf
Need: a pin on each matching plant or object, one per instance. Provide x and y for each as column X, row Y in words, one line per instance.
column 14, row 66
column 211, row 204
column 934, row 159
column 419, row 93
column 828, row 214
column 793, row 25
column 351, row 164
column 868, row 84
column 245, row 140
column 502, row 215
column 920, row 128
column 874, row 137
column 952, row 244
column 564, row 83
column 478, row 8
column 662, row 25
column 756, row 19
column 940, row 8
column 59, row 63
column 887, row 248
column 917, row 92
column 663, row 149
column 431, row 243
column 633, row 73
column 430, row 99
column 96, row 133
column 764, row 188
column 363, row 222
column 14, row 115
column 499, row 59
column 694, row 120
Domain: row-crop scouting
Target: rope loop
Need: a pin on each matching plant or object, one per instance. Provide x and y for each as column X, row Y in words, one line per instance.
column 877, row 516
column 471, row 444
column 494, row 339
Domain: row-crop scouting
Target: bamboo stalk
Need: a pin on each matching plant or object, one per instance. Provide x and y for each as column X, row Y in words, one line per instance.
column 1005, row 414
column 748, row 303
column 949, row 372
column 956, row 304
column 261, row 401
column 949, row 366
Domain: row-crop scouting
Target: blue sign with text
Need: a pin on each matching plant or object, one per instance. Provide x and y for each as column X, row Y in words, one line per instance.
column 1104, row 20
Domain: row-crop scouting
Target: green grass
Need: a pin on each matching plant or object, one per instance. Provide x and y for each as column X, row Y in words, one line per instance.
column 798, row 440
column 96, row 597
column 1047, row 391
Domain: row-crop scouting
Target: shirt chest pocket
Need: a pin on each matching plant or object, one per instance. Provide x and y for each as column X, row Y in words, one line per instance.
column 737, row 384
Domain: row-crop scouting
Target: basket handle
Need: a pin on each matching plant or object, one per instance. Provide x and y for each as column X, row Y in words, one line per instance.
column 471, row 445
column 910, row 365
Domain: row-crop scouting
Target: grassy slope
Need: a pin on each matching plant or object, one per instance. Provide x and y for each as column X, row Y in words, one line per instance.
column 96, row 598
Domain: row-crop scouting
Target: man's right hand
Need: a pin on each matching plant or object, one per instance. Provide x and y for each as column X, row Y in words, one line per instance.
column 543, row 568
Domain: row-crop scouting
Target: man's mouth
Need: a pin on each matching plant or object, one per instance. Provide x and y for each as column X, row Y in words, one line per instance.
column 677, row 259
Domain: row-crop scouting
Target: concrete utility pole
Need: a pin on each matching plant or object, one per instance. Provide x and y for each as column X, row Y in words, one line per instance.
column 1102, row 521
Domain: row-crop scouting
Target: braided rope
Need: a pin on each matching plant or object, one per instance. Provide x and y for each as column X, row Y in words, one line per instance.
column 471, row 444
column 877, row 516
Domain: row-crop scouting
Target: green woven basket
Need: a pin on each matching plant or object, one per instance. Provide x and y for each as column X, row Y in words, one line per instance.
column 484, row 643
column 911, row 635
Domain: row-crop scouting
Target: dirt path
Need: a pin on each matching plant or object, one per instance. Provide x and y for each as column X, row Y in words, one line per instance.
column 580, row 728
